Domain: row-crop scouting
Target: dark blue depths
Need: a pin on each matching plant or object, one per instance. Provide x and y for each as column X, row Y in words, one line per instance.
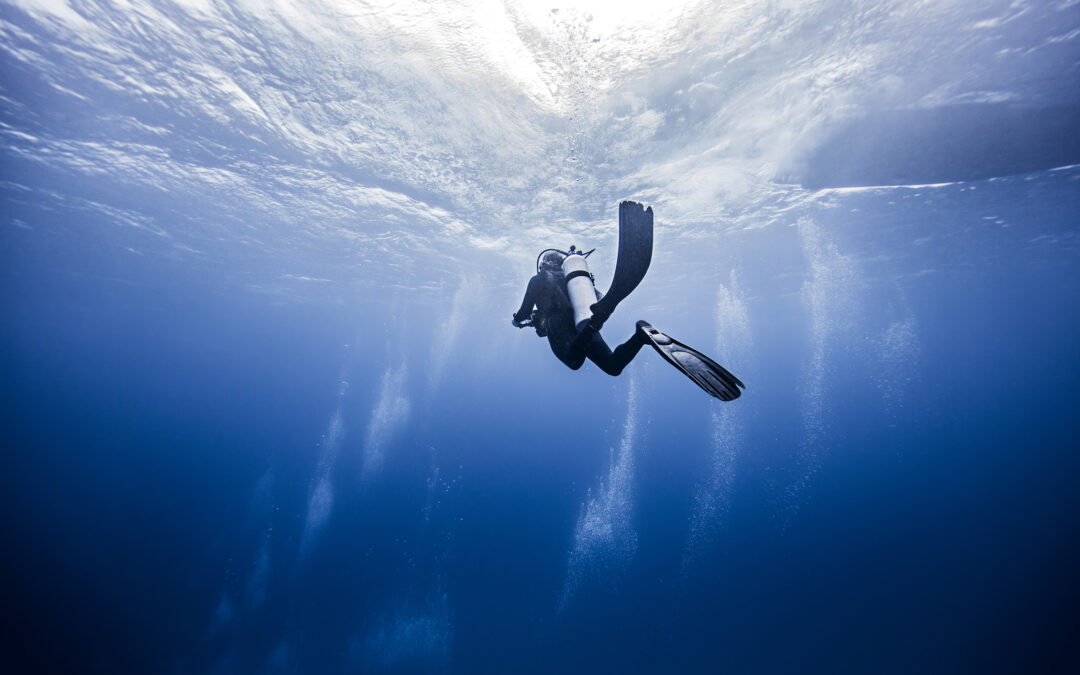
column 164, row 439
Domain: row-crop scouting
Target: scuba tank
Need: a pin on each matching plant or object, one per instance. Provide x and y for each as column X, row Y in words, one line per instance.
column 579, row 286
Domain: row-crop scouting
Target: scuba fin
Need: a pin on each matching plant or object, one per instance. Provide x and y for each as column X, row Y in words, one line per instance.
column 635, row 256
column 706, row 373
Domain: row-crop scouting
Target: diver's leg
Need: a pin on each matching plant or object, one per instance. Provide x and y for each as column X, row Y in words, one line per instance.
column 563, row 347
column 580, row 343
column 626, row 352
column 610, row 362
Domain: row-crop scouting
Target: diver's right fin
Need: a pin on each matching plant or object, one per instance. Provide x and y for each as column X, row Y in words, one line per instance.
column 706, row 373
column 635, row 256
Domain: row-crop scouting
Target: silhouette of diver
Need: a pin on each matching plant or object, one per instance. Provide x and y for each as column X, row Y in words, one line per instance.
column 563, row 305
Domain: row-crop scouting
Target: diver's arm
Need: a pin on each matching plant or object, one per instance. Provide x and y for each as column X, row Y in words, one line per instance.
column 529, row 301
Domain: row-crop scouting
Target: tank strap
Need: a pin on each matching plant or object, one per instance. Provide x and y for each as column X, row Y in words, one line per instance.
column 578, row 273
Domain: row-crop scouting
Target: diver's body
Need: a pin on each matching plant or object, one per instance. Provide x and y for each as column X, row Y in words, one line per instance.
column 554, row 317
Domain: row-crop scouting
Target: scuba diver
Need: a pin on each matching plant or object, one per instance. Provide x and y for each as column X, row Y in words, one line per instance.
column 563, row 305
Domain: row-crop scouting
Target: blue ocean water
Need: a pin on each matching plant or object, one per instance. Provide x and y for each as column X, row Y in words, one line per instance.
column 264, row 410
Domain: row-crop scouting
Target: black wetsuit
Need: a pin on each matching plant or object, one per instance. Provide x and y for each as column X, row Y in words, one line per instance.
column 555, row 318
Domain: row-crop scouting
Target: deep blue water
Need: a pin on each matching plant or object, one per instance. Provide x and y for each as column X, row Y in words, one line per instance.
column 161, row 442
column 263, row 410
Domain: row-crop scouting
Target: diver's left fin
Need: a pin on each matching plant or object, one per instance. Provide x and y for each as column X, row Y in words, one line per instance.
column 635, row 256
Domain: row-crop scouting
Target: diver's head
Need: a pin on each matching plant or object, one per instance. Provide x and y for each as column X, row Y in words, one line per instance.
column 552, row 260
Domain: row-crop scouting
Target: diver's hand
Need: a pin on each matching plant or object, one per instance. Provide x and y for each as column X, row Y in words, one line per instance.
column 516, row 323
